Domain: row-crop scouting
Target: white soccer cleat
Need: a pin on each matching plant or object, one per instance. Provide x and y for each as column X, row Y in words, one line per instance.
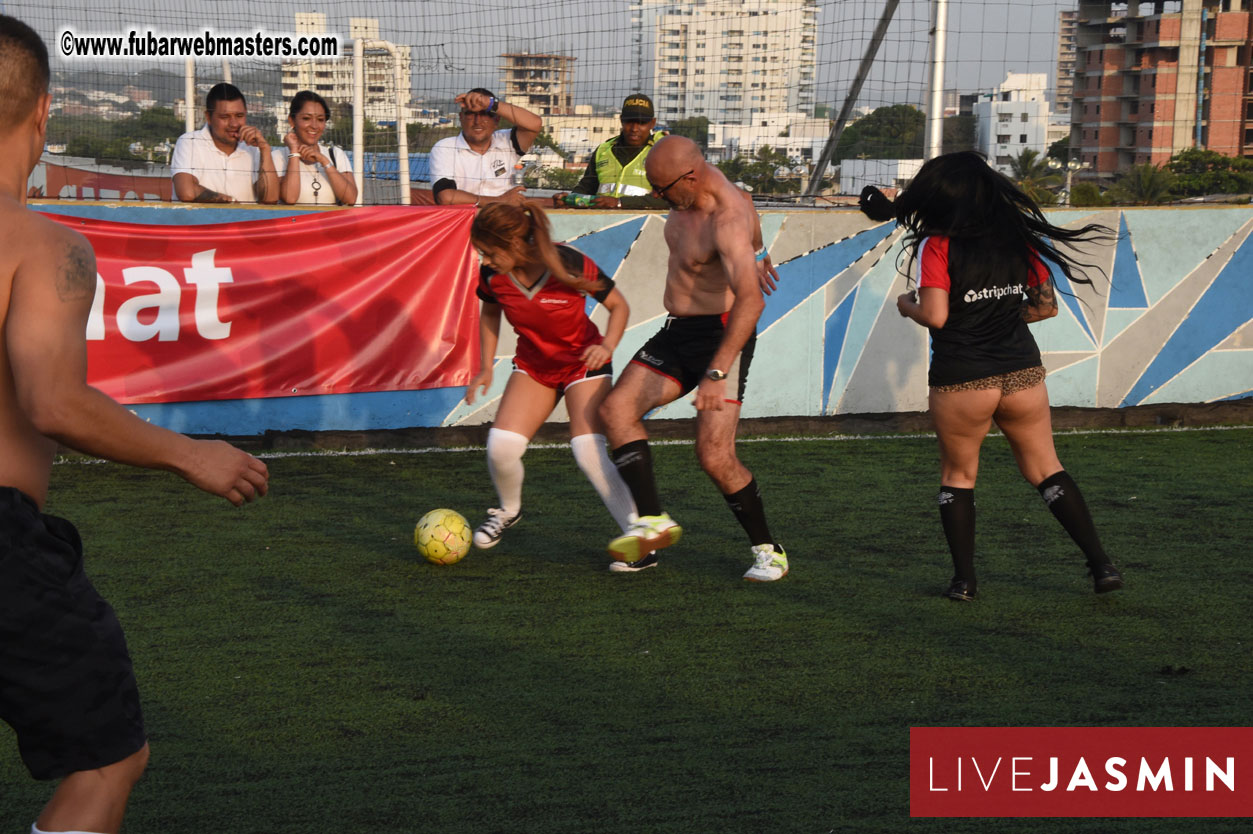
column 767, row 564
column 646, row 534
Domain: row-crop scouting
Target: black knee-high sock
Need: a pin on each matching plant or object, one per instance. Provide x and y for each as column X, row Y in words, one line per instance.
column 635, row 465
column 1066, row 502
column 751, row 513
column 957, row 515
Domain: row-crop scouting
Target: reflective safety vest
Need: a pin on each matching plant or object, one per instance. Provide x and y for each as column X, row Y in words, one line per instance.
column 618, row 181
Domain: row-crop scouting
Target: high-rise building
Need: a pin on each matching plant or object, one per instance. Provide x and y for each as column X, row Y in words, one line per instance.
column 1067, row 21
column 1155, row 78
column 541, row 82
column 332, row 79
column 1012, row 118
column 726, row 60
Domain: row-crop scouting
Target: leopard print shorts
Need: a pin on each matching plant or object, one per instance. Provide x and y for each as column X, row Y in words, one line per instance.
column 1009, row 383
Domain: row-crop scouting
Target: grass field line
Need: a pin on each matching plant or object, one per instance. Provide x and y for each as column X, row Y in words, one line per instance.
column 813, row 438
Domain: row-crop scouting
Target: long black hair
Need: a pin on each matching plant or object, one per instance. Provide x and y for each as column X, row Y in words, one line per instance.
column 960, row 196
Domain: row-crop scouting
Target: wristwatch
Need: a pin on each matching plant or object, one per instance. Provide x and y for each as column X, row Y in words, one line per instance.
column 715, row 374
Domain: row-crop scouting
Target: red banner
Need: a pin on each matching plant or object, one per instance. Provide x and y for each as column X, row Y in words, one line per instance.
column 372, row 299
column 1081, row 771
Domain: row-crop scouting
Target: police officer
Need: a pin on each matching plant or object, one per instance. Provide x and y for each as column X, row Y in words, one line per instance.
column 615, row 174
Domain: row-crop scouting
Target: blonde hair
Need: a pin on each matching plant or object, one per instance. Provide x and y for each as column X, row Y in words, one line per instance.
column 524, row 233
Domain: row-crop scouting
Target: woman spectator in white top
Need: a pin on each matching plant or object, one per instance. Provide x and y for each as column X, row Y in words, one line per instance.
column 312, row 174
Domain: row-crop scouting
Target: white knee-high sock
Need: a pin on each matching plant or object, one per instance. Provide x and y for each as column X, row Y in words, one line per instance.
column 504, row 462
column 34, row 829
column 592, row 455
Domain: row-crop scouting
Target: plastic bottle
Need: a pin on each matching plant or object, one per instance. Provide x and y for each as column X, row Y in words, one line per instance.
column 519, row 174
column 579, row 200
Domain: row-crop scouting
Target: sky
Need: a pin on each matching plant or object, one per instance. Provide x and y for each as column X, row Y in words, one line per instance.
column 456, row 42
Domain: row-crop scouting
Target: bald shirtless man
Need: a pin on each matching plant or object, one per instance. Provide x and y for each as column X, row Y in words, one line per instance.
column 66, row 685
column 714, row 298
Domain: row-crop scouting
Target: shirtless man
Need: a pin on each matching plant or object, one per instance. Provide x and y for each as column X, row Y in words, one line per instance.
column 714, row 297
column 66, row 684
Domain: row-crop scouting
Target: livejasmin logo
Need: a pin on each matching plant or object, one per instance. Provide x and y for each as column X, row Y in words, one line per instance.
column 1080, row 771
column 143, row 317
column 1020, row 771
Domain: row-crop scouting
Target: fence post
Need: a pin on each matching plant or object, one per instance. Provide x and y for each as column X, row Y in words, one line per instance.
column 935, row 110
column 189, row 95
column 358, row 117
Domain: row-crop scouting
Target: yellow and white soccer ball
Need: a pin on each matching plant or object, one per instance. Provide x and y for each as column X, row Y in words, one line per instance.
column 443, row 536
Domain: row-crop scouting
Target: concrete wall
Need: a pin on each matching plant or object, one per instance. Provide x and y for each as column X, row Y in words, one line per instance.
column 1173, row 322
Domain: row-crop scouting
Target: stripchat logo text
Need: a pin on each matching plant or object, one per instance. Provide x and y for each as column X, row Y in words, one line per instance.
column 992, row 293
column 156, row 314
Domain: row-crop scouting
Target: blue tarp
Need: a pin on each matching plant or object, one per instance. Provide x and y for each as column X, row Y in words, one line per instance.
column 384, row 166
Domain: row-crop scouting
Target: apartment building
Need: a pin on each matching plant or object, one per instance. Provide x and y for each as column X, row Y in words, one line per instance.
column 332, row 79
column 797, row 136
column 726, row 60
column 1012, row 118
column 1155, row 78
column 1067, row 28
column 542, row 83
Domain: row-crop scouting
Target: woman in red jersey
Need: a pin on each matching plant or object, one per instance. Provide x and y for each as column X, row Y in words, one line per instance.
column 978, row 245
column 542, row 287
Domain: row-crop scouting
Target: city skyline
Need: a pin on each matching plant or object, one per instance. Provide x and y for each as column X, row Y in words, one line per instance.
column 457, row 45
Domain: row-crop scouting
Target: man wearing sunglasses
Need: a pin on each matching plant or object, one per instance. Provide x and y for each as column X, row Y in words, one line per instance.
column 475, row 165
column 714, row 286
column 615, row 173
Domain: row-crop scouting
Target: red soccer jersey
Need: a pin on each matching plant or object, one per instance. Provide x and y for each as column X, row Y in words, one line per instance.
column 985, row 333
column 549, row 317
column 933, row 265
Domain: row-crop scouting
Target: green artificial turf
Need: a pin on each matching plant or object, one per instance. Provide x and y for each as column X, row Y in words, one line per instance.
column 304, row 670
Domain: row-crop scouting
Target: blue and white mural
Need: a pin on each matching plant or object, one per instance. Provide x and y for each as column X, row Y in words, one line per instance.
column 1169, row 318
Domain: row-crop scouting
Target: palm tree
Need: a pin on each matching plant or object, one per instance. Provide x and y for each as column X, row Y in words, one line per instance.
column 1143, row 185
column 1031, row 173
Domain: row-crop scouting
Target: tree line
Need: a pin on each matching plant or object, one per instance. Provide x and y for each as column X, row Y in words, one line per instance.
column 891, row 132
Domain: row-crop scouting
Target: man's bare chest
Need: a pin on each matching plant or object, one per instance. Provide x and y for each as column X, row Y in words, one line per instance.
column 691, row 240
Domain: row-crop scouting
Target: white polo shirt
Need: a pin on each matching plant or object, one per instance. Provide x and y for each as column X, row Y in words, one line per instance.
column 232, row 174
column 481, row 174
column 315, row 188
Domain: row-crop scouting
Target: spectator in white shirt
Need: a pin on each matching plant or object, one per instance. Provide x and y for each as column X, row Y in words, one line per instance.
column 313, row 174
column 475, row 165
column 226, row 161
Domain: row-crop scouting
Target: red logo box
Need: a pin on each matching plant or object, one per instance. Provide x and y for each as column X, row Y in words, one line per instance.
column 1081, row 771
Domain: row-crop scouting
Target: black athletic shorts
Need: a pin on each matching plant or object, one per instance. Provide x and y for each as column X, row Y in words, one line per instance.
column 66, row 683
column 684, row 347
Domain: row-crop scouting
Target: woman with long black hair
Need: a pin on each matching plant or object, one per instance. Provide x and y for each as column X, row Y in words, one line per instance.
column 977, row 245
column 311, row 173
